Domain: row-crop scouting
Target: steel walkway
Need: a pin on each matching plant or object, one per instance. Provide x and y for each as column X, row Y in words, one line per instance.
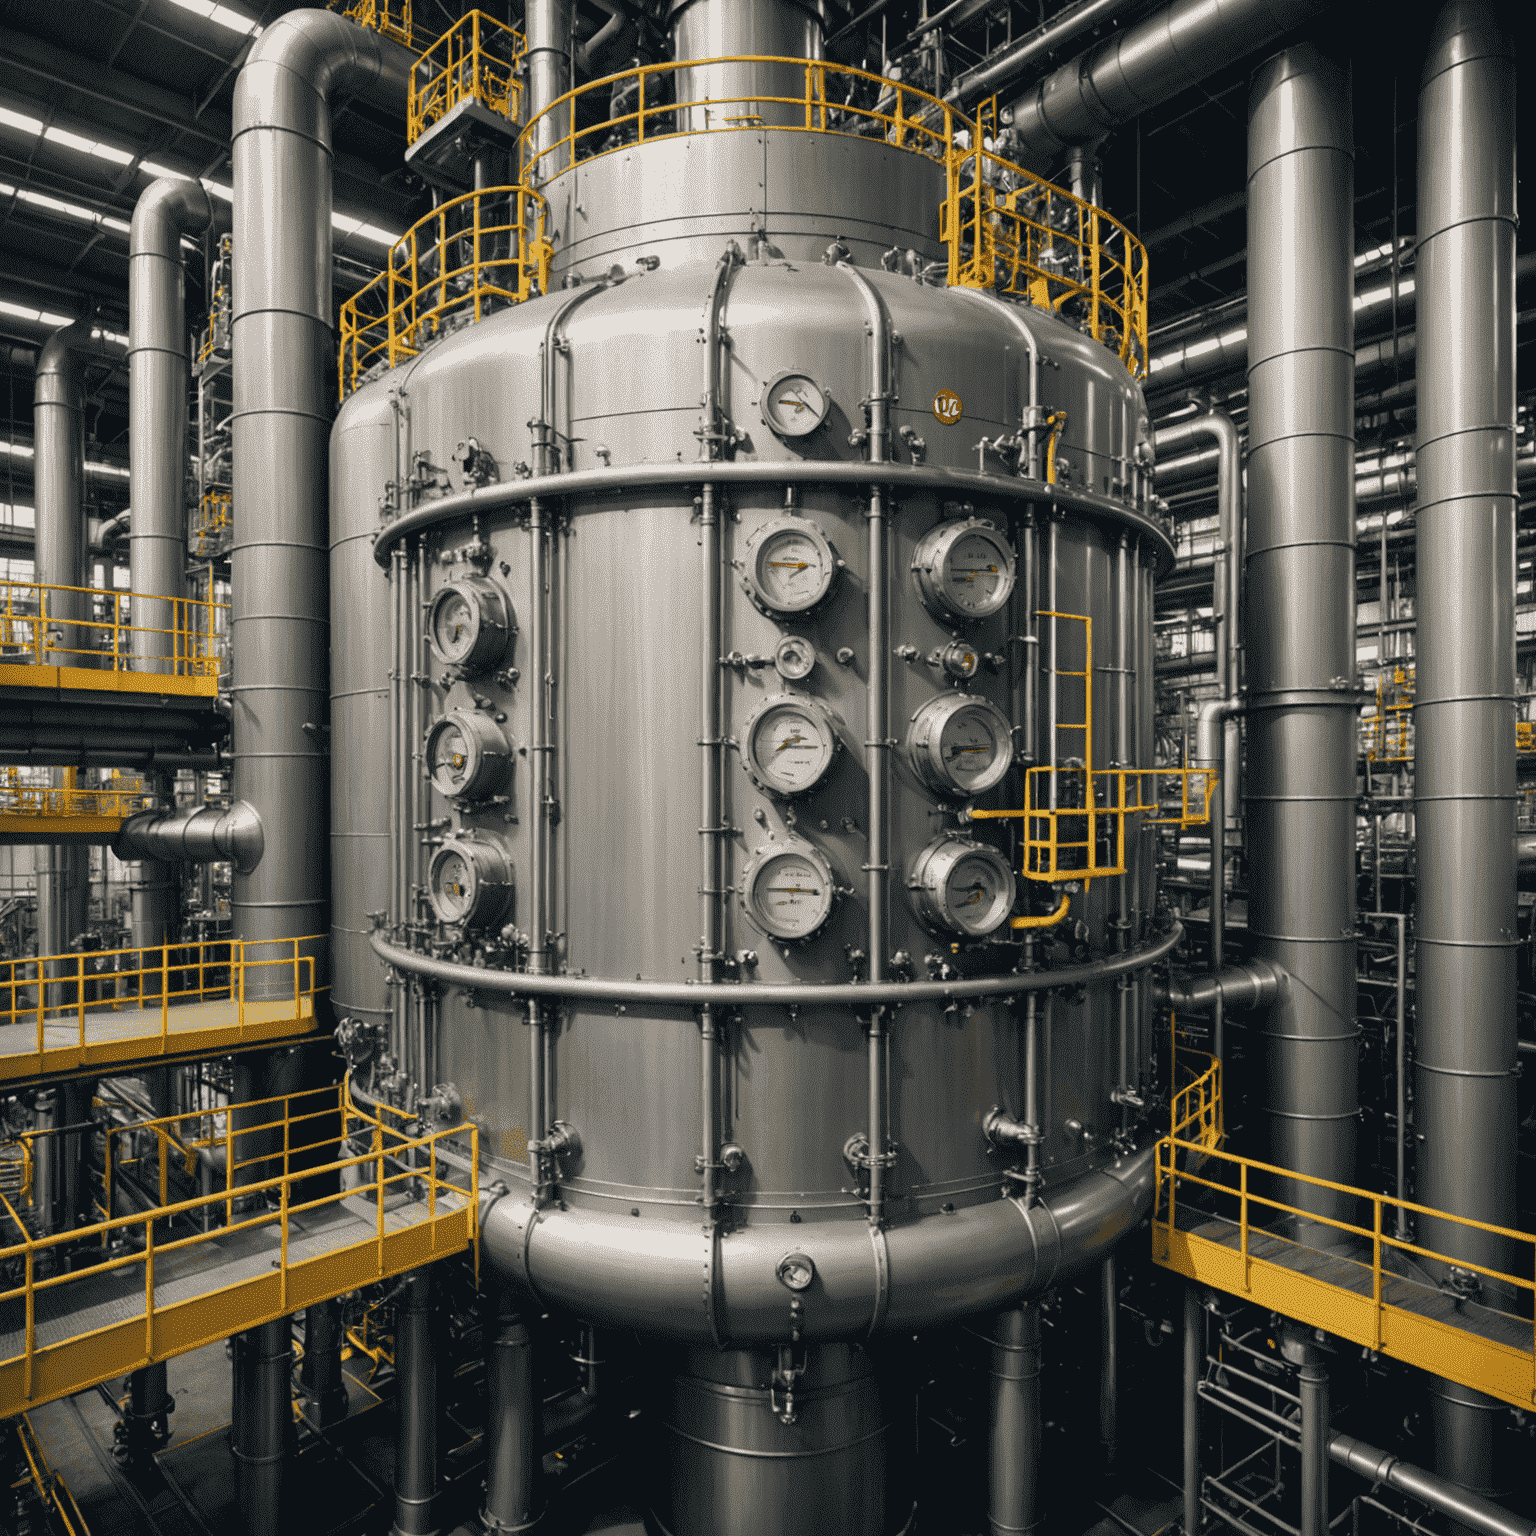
column 1372, row 1288
column 104, row 1008
column 62, row 1333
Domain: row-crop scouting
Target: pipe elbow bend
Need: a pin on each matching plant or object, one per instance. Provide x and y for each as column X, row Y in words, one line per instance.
column 1241, row 984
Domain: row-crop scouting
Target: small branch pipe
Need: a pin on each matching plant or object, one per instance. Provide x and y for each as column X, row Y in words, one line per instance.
column 511, row 1424
column 854, row 994
column 1468, row 1510
column 416, row 1428
column 1172, row 49
column 936, row 1269
column 1300, row 624
column 1194, row 1361
column 1109, row 1362
column 1013, row 1451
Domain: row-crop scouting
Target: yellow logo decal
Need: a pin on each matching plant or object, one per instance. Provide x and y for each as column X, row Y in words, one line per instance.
column 947, row 407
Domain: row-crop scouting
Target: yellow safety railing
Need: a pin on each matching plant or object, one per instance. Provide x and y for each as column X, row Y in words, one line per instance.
column 51, row 1488
column 16, row 1169
column 59, row 1011
column 1389, row 728
column 470, row 255
column 392, row 18
column 1525, row 738
column 1377, row 1311
column 476, row 59
column 300, row 1146
column 18, row 799
column 1075, row 815
column 650, row 104
column 212, row 523
column 1010, row 231
column 93, row 628
column 1195, row 1111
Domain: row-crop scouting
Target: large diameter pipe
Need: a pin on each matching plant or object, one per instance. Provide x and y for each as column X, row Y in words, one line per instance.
column 1174, row 48
column 548, row 24
column 416, row 1409
column 1013, row 1451
column 283, row 398
column 1004, row 70
column 511, row 1424
column 1468, row 1510
column 263, row 1424
column 1302, row 707
column 1466, row 1048
column 201, row 835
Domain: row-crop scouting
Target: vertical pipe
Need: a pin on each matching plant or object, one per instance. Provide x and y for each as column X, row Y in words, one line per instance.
column 321, row 1383
column 1013, row 1453
column 1314, row 1445
column 1302, row 709
column 416, row 1408
column 263, row 1424
column 710, row 812
column 1194, row 1356
column 1464, row 785
column 1109, row 1362
column 511, row 1424
column 549, row 77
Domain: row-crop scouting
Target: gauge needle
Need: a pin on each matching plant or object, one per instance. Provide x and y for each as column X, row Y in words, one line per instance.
column 792, row 890
column 799, row 405
column 956, row 751
column 788, row 741
column 788, row 565
column 975, row 896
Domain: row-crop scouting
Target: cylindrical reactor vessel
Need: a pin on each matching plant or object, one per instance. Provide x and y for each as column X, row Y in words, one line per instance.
column 752, row 600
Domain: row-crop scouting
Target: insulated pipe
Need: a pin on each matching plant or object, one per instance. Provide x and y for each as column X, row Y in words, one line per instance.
column 58, row 435
column 1216, row 742
column 511, row 1424
column 416, row 1409
column 1109, row 1362
column 1300, row 622
column 322, row 1385
column 1001, row 71
column 1314, row 1444
column 1466, row 1050
column 284, row 394
column 263, row 1423
column 548, row 24
column 1013, row 1450
column 1174, row 48
column 204, row 834
column 1245, row 983
column 1383, row 1468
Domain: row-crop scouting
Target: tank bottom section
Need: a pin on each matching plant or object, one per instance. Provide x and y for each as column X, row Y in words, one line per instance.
column 760, row 1442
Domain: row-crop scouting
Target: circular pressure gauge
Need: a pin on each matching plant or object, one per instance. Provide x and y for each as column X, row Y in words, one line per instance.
column 470, row 624
column 469, row 882
column 468, row 756
column 787, row 889
column 964, row 569
column 959, row 744
column 790, row 744
column 790, row 566
column 960, row 886
column 794, row 404
column 794, row 658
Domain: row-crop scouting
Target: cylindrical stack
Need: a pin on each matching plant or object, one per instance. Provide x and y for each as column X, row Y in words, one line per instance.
column 1465, row 1047
column 1302, row 708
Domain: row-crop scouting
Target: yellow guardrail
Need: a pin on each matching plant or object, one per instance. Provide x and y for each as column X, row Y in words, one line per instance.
column 476, row 59
column 432, row 1218
column 95, row 1007
column 1388, row 729
column 51, row 1488
column 1075, row 815
column 1392, row 1313
column 211, row 523
column 468, row 256
column 1195, row 1113
column 18, row 799
column 1006, row 229
column 392, row 18
column 93, row 629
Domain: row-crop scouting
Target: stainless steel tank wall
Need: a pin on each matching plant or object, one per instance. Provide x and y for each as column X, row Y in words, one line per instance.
column 625, row 622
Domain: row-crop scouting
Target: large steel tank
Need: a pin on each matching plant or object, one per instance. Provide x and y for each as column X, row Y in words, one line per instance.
column 726, row 586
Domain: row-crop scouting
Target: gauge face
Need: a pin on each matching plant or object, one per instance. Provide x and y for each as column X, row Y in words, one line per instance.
column 965, row 569
column 792, row 566
column 788, row 890
column 468, row 755
column 470, row 624
column 960, row 744
column 794, row 404
column 794, row 658
column 961, row 886
column 470, row 883
column 790, row 745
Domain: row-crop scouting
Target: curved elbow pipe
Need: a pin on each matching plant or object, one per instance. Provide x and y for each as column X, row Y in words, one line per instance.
column 1209, row 733
column 205, row 834
column 1243, row 984
column 644, row 1275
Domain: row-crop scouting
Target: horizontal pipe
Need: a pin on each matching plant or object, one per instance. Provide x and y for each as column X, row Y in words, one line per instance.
column 606, row 1267
column 1005, row 68
column 851, row 994
column 1467, row 1509
column 203, row 834
column 904, row 479
column 1240, row 984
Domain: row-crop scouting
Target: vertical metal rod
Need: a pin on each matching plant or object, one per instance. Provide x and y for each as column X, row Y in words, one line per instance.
column 1194, row 1355
column 1053, row 687
column 1401, row 1043
column 710, row 814
column 1314, row 1445
column 1029, row 667
column 1013, row 1452
column 1109, row 1361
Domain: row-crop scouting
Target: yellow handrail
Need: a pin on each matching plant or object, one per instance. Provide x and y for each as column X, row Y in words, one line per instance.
column 333, row 1120
column 469, row 255
column 50, row 991
column 464, row 64
column 17, row 799
column 92, row 627
column 51, row 1488
column 391, row 18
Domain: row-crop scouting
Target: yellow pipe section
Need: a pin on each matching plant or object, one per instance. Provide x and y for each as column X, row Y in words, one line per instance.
column 1048, row 921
